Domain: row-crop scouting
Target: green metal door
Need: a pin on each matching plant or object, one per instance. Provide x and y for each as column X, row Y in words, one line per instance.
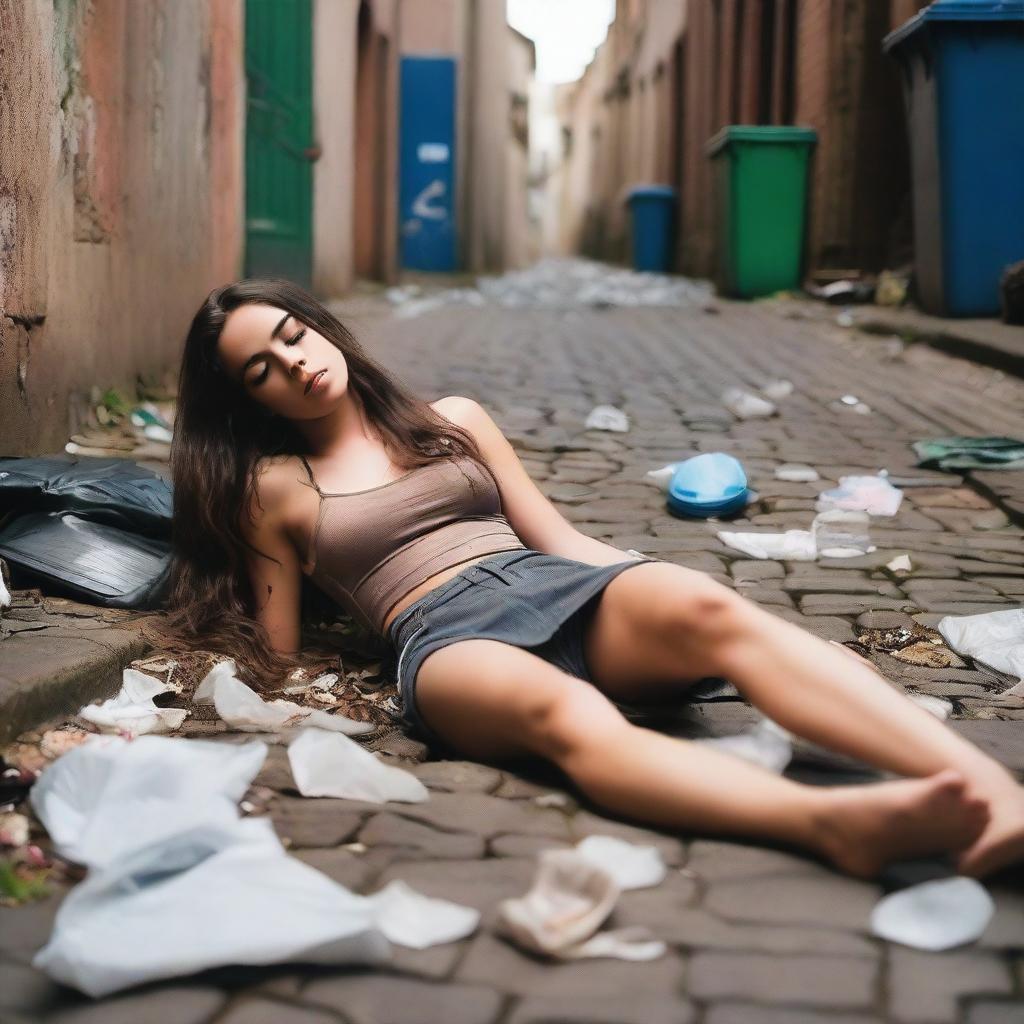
column 279, row 145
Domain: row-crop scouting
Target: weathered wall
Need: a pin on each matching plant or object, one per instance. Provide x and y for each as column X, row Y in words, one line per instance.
column 119, row 201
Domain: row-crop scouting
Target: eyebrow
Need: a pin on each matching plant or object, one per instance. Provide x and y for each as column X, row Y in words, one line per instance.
column 256, row 356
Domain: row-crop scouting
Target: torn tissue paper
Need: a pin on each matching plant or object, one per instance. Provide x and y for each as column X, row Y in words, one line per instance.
column 329, row 764
column 244, row 709
column 132, row 711
column 631, row 866
column 793, row 545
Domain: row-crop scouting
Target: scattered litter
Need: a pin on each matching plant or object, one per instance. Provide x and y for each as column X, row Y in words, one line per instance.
column 995, row 639
column 663, row 477
column 935, row 915
column 846, row 290
column 767, row 744
column 792, row 546
column 851, row 403
column 901, row 563
column 712, row 484
column 891, row 289
column 5, row 594
column 552, row 800
column 745, row 406
column 561, row 283
column 57, row 742
column 777, row 389
column 132, row 711
column 569, row 900
column 915, row 645
column 871, row 494
column 632, row 866
column 970, row 453
column 13, row 829
column 796, row 473
column 244, row 709
column 938, row 706
column 408, row 918
column 607, row 417
column 330, row 764
column 841, row 534
column 156, row 823
column 845, row 319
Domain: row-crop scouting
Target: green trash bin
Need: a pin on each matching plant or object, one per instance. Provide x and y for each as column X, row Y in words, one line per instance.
column 762, row 174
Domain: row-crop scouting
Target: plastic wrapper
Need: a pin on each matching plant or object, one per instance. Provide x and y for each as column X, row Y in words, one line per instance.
column 132, row 710
column 995, row 639
column 871, row 494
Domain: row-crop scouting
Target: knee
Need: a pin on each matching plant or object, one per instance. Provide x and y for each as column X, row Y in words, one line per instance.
column 572, row 719
column 703, row 607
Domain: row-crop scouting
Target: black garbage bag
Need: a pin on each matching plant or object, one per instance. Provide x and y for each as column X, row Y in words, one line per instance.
column 63, row 553
column 117, row 492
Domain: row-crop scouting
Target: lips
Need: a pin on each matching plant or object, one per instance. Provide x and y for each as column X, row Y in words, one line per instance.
column 314, row 380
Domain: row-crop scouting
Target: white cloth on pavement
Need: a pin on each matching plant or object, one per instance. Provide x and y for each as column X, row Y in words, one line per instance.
column 791, row 546
column 330, row 764
column 995, row 639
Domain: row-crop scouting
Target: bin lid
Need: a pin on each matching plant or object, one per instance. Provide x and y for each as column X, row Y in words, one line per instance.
column 651, row 192
column 760, row 133
column 956, row 10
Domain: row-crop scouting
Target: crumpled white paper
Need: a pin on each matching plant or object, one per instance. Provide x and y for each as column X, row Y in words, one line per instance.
column 745, row 406
column 935, row 915
column 793, row 545
column 244, row 709
column 569, row 900
column 662, row 478
column 631, row 866
column 132, row 711
column 796, row 472
column 607, row 417
column 871, row 494
column 178, row 882
column 767, row 744
column 330, row 764
column 995, row 639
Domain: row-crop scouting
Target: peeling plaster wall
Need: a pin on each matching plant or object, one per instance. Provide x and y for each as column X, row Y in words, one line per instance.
column 120, row 195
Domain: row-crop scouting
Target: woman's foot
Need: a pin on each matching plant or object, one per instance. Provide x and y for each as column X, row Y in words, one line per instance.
column 1002, row 841
column 863, row 828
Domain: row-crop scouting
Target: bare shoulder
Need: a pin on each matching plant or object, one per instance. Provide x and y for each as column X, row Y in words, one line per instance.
column 463, row 412
column 276, row 488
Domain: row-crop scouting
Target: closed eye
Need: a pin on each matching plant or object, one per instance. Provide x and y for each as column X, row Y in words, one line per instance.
column 294, row 340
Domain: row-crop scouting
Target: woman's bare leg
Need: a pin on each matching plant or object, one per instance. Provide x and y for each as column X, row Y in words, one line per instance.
column 805, row 684
column 493, row 701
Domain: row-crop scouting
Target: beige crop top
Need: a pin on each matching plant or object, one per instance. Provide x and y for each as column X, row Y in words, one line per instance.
column 370, row 548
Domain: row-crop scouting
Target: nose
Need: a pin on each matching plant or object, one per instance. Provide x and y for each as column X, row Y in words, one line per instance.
column 299, row 363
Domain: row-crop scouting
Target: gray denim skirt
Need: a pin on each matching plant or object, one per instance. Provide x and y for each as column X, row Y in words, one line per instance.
column 523, row 597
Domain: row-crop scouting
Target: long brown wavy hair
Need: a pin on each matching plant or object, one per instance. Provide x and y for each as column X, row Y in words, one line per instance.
column 221, row 435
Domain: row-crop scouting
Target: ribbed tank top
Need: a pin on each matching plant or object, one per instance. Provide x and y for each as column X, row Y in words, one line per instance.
column 372, row 547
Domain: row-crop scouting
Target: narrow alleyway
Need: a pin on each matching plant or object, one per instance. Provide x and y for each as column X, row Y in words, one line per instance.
column 756, row 936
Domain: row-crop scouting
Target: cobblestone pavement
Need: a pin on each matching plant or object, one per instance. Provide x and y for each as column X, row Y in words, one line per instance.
column 756, row 936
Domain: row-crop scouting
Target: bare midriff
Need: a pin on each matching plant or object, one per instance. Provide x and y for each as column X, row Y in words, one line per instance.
column 428, row 585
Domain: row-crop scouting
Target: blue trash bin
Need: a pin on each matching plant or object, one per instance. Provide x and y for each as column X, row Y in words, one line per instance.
column 653, row 209
column 963, row 73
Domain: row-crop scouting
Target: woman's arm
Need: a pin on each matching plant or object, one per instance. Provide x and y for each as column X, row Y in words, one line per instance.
column 276, row 580
column 537, row 522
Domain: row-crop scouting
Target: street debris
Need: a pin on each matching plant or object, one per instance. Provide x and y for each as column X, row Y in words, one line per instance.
column 796, row 473
column 871, row 494
column 995, row 639
column 559, row 283
column 936, row 915
column 746, row 406
column 791, row 546
column 776, row 390
column 838, row 293
column 155, row 821
column 132, row 712
column 915, row 645
column 632, row 866
column 901, row 563
column 850, row 403
column 970, row 453
column 839, row 533
column 662, row 477
column 712, row 484
column 330, row 764
column 5, row 594
column 244, row 709
column 937, row 706
column 607, row 417
column 569, row 900
column 767, row 744
column 13, row 829
column 845, row 319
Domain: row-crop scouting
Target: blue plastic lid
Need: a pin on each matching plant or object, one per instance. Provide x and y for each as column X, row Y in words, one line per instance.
column 956, row 10
column 651, row 192
column 712, row 479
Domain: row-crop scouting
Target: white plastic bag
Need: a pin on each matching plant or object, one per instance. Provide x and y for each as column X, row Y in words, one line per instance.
column 607, row 417
column 935, row 915
column 745, row 406
column 995, row 639
column 132, row 711
column 631, row 866
column 793, row 545
column 330, row 764
column 871, row 494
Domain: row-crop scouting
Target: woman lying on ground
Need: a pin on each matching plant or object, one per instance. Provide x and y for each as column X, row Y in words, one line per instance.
column 514, row 634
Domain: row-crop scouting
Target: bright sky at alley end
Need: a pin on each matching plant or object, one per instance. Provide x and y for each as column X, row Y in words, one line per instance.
column 566, row 33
